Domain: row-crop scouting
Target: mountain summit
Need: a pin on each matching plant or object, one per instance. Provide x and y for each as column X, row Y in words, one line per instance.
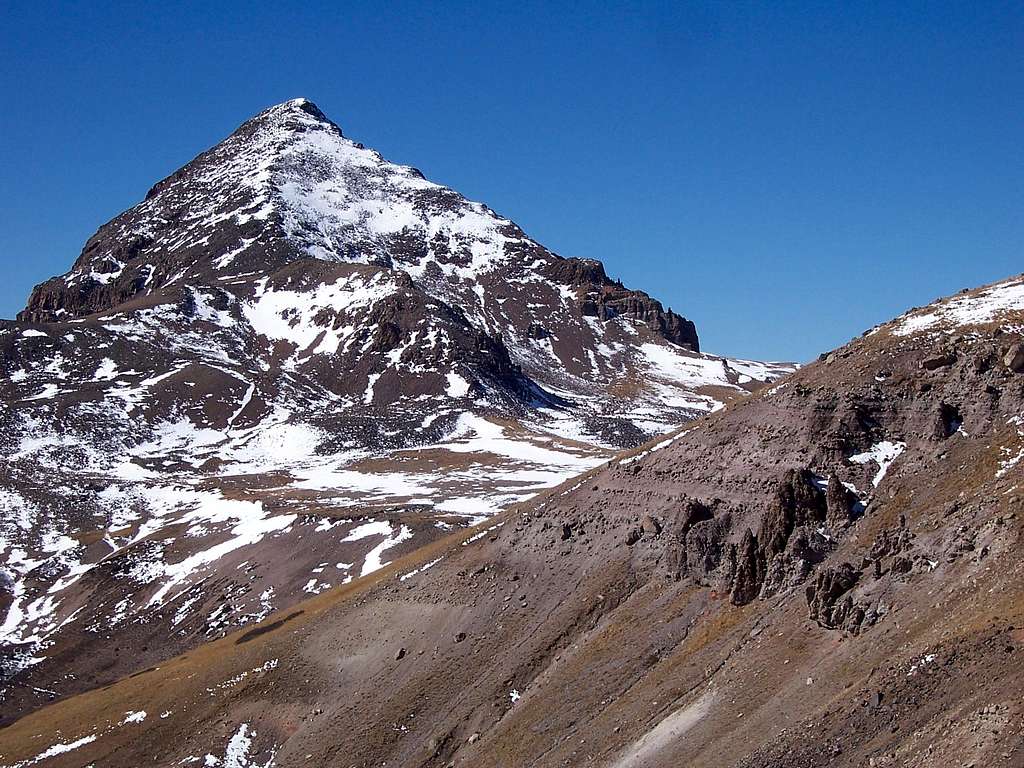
column 286, row 185
column 242, row 224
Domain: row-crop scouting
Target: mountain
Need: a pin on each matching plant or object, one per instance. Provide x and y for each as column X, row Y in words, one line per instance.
column 292, row 362
column 826, row 573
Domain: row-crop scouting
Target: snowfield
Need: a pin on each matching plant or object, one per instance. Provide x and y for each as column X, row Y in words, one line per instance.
column 976, row 308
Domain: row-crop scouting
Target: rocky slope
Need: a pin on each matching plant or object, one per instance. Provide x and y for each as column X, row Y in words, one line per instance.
column 291, row 363
column 826, row 573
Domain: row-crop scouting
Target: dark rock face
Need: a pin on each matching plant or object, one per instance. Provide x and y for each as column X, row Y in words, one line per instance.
column 948, row 421
column 936, row 362
column 829, row 602
column 841, row 504
column 705, row 547
column 749, row 570
column 578, row 272
column 787, row 528
column 108, row 286
column 605, row 299
column 787, row 544
column 798, row 502
column 609, row 301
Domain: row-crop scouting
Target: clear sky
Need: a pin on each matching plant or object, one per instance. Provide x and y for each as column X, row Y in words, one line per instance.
column 784, row 174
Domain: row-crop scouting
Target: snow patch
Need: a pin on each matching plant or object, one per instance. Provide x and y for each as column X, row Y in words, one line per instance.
column 979, row 308
column 882, row 454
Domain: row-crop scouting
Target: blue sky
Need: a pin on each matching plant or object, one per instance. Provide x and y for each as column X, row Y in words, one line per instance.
column 784, row 174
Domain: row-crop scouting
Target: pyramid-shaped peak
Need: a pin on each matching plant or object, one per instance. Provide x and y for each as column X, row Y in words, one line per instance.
column 297, row 105
column 298, row 114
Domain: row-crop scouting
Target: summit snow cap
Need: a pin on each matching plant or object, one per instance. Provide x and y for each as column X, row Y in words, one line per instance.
column 294, row 115
column 295, row 106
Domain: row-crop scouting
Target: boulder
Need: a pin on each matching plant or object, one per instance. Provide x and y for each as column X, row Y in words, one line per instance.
column 1014, row 358
column 938, row 361
column 650, row 525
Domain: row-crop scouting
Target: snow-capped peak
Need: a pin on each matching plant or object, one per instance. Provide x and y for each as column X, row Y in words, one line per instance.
column 291, row 305
column 295, row 112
